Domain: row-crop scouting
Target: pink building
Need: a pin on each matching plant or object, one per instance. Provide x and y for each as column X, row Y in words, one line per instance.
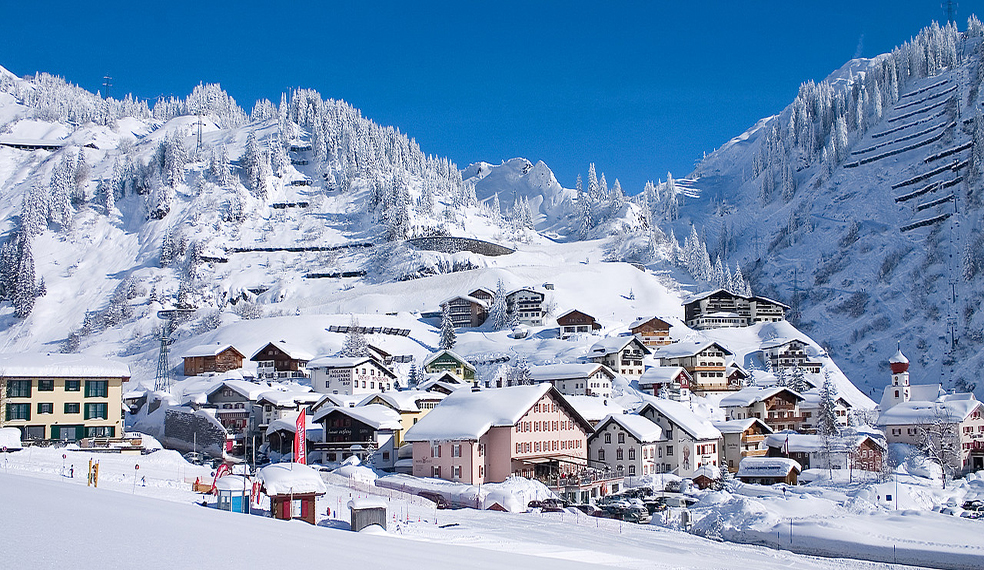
column 485, row 436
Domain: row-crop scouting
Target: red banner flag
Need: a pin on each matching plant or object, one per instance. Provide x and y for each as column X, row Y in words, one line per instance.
column 300, row 438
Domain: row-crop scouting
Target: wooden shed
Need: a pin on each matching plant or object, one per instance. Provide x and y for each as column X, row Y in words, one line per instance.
column 293, row 489
column 367, row 512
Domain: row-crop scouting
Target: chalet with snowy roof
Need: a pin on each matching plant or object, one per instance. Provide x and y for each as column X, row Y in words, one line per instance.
column 368, row 432
column 691, row 441
column 961, row 415
column 445, row 383
column 484, row 437
column 279, row 361
column 595, row 409
column 62, row 396
column 483, row 294
column 233, row 402
column 672, row 382
column 335, row 400
column 293, row 489
column 575, row 322
column 576, row 379
column 777, row 406
column 850, row 451
column 466, row 311
column 278, row 404
column 625, row 443
column 350, row 375
column 810, row 410
column 280, row 434
column 412, row 405
column 652, row 331
column 721, row 308
column 212, row 358
column 527, row 306
column 449, row 361
column 790, row 354
column 705, row 361
column 768, row 470
column 736, row 375
column 741, row 439
column 622, row 354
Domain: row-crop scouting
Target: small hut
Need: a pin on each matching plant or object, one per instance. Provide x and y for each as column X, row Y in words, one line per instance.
column 293, row 489
column 768, row 470
column 233, row 493
column 706, row 475
column 367, row 512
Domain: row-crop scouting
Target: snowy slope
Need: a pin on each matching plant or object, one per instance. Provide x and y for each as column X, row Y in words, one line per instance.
column 813, row 218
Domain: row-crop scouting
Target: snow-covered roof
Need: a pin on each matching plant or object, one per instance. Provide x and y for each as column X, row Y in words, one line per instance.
column 431, row 384
column 682, row 416
column 898, row 358
column 376, row 416
column 207, row 350
column 643, row 320
column 706, row 294
column 290, row 478
column 360, row 503
column 685, row 348
column 467, row 415
column 553, row 372
column 234, row 483
column 613, row 344
column 811, row 443
column 913, row 412
column 574, row 311
column 248, row 390
column 291, row 351
column 452, row 354
column 739, row 426
column 336, row 362
column 469, row 298
column 753, row 394
column 405, row 401
column 337, row 400
column 639, row 427
column 660, row 375
column 782, row 341
column 594, row 408
column 54, row 365
column 767, row 467
column 712, row 472
column 288, row 423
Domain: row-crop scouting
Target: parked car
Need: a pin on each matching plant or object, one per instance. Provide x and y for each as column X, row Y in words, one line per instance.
column 553, row 505
column 437, row 498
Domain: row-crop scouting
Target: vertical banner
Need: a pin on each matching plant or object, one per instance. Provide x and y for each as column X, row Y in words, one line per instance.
column 300, row 438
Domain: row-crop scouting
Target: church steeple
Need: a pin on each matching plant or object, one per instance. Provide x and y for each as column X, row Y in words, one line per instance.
column 900, row 378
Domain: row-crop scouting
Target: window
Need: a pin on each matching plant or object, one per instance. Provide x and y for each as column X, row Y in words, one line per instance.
column 632, row 453
column 46, row 385
column 632, row 470
column 621, row 438
column 456, row 450
column 96, row 411
column 73, row 408
column 96, row 388
column 457, row 471
column 72, row 385
column 669, row 450
column 436, row 450
column 601, row 455
column 18, row 388
column 436, row 470
column 46, row 408
column 619, row 454
column 608, row 438
column 100, row 431
column 18, row 412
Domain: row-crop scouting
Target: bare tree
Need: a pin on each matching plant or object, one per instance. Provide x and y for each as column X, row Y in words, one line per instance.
column 939, row 440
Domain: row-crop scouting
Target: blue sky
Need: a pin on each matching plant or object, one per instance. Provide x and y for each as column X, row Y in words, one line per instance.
column 639, row 88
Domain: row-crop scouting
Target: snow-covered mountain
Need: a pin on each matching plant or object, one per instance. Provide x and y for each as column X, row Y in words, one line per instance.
column 817, row 204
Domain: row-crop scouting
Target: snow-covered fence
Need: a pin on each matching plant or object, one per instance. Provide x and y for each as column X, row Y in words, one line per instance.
column 898, row 140
column 924, row 89
column 920, row 111
column 370, row 489
column 299, row 249
column 948, row 152
column 924, row 223
column 932, row 187
column 912, row 146
column 954, row 166
column 456, row 244
column 936, row 202
column 926, row 98
column 910, row 125
column 344, row 329
column 336, row 275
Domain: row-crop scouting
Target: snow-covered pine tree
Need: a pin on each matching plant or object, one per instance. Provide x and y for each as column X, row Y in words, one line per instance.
column 522, row 373
column 80, row 179
column 413, row 377
column 781, row 378
column 279, row 161
column 616, row 200
column 167, row 250
column 355, row 342
column 448, row 335
column 17, row 274
column 797, row 380
column 498, row 315
column 62, row 180
column 827, row 412
column 583, row 221
column 592, row 182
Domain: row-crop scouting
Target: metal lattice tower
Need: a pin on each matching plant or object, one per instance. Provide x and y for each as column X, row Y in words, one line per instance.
column 162, row 382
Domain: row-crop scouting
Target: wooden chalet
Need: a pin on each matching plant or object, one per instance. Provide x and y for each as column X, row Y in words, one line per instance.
column 212, row 358
column 652, row 331
column 575, row 322
column 278, row 360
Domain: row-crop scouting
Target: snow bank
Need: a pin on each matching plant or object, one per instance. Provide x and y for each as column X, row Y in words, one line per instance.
column 10, row 438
